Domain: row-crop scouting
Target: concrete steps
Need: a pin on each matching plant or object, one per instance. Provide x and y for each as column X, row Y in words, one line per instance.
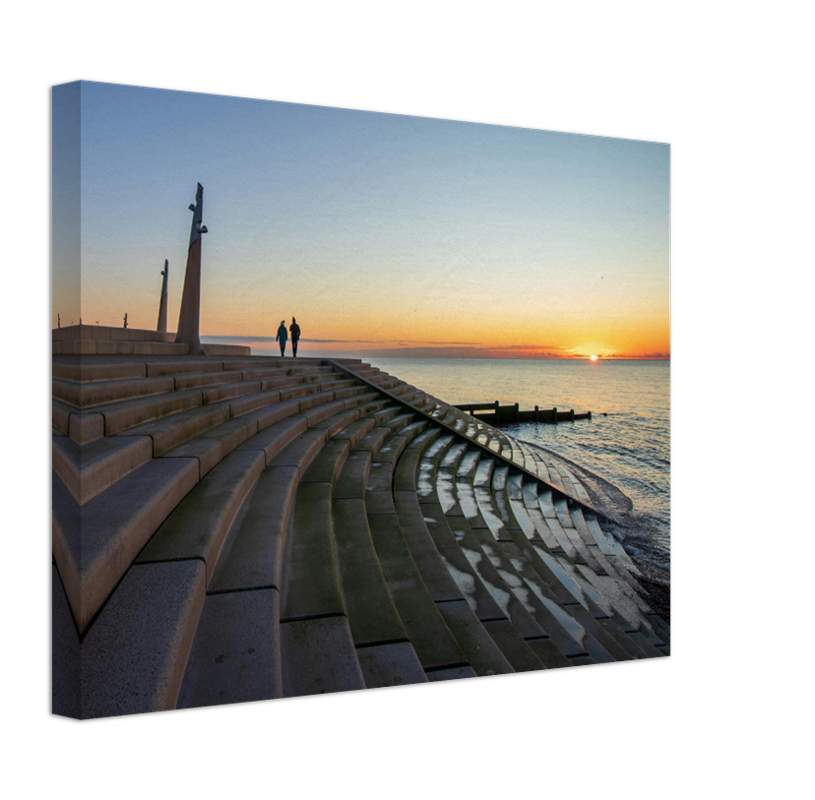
column 577, row 570
column 226, row 506
column 133, row 493
column 572, row 558
column 229, row 530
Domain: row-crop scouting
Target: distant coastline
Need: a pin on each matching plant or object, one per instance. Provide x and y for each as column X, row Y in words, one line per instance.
column 263, row 343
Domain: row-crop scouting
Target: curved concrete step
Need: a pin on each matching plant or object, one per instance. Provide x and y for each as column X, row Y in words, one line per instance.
column 94, row 541
column 570, row 586
column 87, row 471
column 87, row 395
column 278, row 543
column 95, row 544
column 572, row 629
column 377, row 547
column 205, row 432
column 496, row 572
column 312, row 594
column 237, row 653
column 615, row 596
column 441, row 558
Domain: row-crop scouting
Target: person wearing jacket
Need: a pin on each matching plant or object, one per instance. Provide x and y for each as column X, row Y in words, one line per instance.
column 282, row 336
column 294, row 328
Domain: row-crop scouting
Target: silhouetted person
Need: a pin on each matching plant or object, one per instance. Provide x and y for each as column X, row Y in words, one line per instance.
column 295, row 335
column 282, row 336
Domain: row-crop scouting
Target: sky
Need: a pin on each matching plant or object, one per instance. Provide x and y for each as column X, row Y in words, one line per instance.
column 381, row 233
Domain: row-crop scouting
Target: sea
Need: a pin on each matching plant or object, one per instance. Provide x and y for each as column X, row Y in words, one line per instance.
column 625, row 447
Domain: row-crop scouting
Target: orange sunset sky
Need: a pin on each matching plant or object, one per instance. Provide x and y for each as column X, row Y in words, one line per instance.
column 380, row 233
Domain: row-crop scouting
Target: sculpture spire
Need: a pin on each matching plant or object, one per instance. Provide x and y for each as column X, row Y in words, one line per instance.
column 162, row 305
column 188, row 318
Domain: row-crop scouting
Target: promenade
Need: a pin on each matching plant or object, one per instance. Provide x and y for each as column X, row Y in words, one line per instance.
column 233, row 528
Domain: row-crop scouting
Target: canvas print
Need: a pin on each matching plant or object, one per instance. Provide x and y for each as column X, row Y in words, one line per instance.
column 348, row 400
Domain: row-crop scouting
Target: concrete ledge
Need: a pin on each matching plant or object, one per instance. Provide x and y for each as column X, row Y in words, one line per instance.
column 371, row 613
column 302, row 673
column 252, row 555
column 198, row 525
column 226, row 391
column 324, row 468
column 426, row 629
column 64, row 653
column 404, row 477
column 83, row 395
column 171, row 431
column 86, row 428
column 85, row 371
column 125, row 346
column 103, row 340
column 226, row 350
column 133, row 658
column 95, row 545
column 390, row 665
column 108, row 333
column 436, row 574
column 130, row 335
column 87, row 471
column 129, row 413
column 310, row 581
column 451, row 674
column 481, row 652
column 274, row 437
column 235, row 657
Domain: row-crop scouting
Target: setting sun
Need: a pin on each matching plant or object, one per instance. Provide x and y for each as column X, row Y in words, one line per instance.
column 593, row 358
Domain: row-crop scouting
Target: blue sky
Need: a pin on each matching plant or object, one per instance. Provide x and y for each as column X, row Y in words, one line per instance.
column 374, row 227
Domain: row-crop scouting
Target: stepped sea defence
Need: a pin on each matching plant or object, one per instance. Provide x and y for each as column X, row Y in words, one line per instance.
column 231, row 529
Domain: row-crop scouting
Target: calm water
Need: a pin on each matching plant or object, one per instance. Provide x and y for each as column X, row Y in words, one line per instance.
column 629, row 448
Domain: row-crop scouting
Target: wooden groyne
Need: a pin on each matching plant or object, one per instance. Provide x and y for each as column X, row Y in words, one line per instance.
column 508, row 414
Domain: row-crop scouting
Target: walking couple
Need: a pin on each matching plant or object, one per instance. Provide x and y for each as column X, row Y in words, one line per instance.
column 282, row 336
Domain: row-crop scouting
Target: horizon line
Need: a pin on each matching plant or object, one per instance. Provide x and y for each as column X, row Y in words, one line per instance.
column 512, row 353
column 444, row 350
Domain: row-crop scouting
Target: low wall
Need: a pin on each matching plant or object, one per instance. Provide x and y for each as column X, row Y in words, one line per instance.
column 102, row 340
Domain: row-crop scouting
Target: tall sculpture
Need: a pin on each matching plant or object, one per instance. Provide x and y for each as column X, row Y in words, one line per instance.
column 162, row 304
column 188, row 318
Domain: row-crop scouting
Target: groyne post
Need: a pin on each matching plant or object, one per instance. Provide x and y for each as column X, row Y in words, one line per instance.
column 517, row 412
column 536, row 413
column 497, row 416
